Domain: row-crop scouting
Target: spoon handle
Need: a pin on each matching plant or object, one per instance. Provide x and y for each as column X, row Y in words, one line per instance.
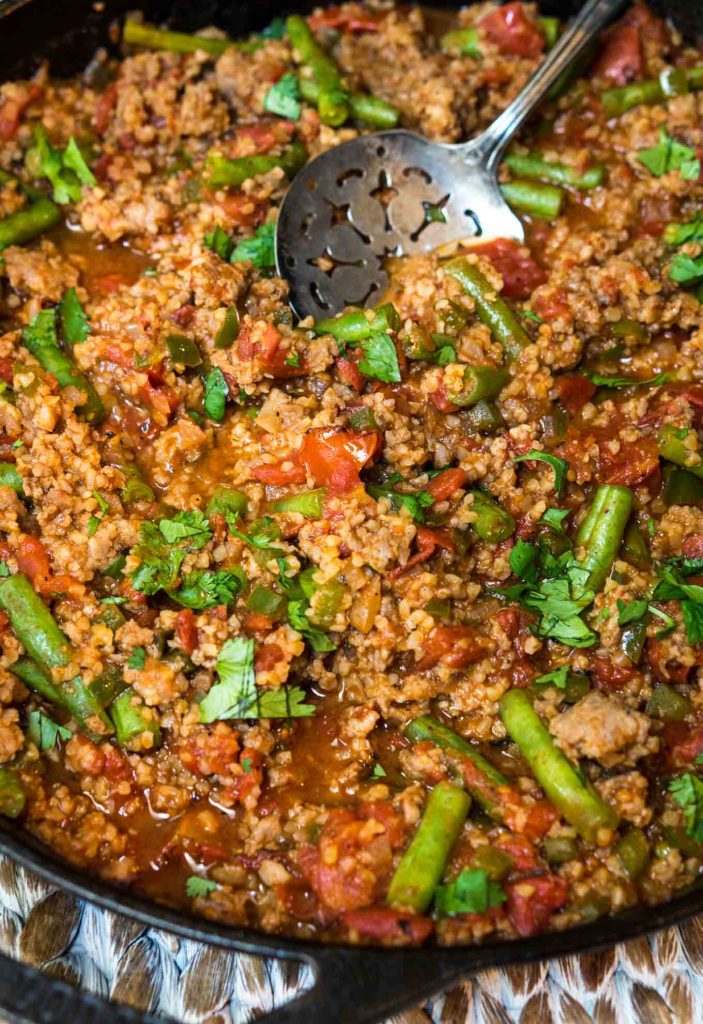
column 581, row 30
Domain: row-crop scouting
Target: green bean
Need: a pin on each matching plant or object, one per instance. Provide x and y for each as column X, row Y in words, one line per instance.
column 39, row 338
column 560, row 849
column 108, row 686
column 671, row 442
column 496, row 863
column 28, row 222
column 306, row 503
column 85, row 707
column 333, row 100
column 12, row 795
column 601, row 533
column 461, row 42
column 422, row 865
column 541, row 201
column 480, row 382
column 532, row 165
column 369, row 109
column 137, row 34
column 482, row 780
column 33, row 676
column 492, row 310
column 634, row 853
column 33, row 623
column 221, row 172
column 493, row 524
column 634, row 548
column 681, row 487
column 132, row 721
column 618, row 100
column 359, row 324
column 549, row 27
column 558, row 777
column 483, row 418
column 10, row 477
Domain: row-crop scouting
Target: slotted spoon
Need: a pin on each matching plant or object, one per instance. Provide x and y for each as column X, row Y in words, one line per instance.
column 377, row 195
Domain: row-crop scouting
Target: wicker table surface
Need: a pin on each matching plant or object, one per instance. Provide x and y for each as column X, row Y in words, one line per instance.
column 648, row 981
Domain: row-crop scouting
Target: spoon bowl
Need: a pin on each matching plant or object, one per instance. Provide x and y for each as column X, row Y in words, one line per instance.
column 395, row 193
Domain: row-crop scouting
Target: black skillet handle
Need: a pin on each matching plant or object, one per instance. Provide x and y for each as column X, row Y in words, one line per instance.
column 364, row 986
column 29, row 997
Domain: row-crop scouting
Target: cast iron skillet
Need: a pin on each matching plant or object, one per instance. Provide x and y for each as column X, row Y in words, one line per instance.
column 353, row 985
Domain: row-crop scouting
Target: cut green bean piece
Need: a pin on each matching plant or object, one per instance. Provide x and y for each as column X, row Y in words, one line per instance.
column 39, row 338
column 634, row 548
column 618, row 100
column 533, row 197
column 34, row 676
column 132, row 720
column 333, row 99
column 493, row 524
column 422, row 865
column 558, row 777
column 85, row 707
column 482, row 781
column 674, row 444
column 227, row 502
column 369, row 109
column 307, row 503
column 12, row 796
column 137, row 34
column 633, row 852
column 483, row 418
column 108, row 685
column 480, row 383
column 682, row 487
column 560, row 849
column 27, row 223
column 222, row 172
column 461, row 42
column 601, row 533
column 550, row 28
column 496, row 863
column 10, row 477
column 666, row 702
column 33, row 623
column 492, row 310
column 533, row 166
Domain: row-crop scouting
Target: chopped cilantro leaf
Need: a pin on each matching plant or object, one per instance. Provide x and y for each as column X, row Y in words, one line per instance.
column 532, row 316
column 379, row 772
column 669, row 623
column 137, row 658
column 192, row 526
column 670, row 155
column 679, row 234
column 93, row 524
column 205, row 589
column 555, row 517
column 66, row 171
column 687, row 792
column 316, row 637
column 44, row 731
column 686, row 269
column 633, row 611
column 380, row 358
column 259, row 248
column 197, row 886
column 283, row 98
column 415, row 503
column 472, row 892
column 558, row 677
column 628, row 382
column 220, row 242
column 693, row 621
column 216, row 392
column 559, row 466
column 74, row 322
column 4, row 569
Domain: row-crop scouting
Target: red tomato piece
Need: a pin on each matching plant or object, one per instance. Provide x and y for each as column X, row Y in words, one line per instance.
column 349, row 373
column 532, row 901
column 293, row 473
column 352, row 18
column 665, row 668
column 186, row 630
column 553, row 306
column 632, row 465
column 441, row 400
column 455, row 646
column 13, row 107
column 381, row 923
column 267, row 656
column 334, row 458
column 685, row 749
column 104, row 108
column 427, row 543
column 513, row 31
column 520, row 273
column 692, row 547
column 446, row 484
column 574, row 391
column 521, row 850
column 33, row 561
column 6, row 369
column 608, row 676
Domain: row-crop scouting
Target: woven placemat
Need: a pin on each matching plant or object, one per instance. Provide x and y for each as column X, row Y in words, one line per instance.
column 648, row 981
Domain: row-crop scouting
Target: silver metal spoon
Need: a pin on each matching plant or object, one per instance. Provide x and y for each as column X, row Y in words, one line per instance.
column 373, row 197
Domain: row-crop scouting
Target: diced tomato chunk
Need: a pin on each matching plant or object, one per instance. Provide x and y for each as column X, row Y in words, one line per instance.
column 13, row 107
column 288, row 471
column 334, row 458
column 350, row 18
column 428, row 540
column 441, row 400
column 446, row 483
column 186, row 630
column 683, row 749
column 608, row 676
column 692, row 547
column 664, row 667
column 532, row 901
column 268, row 655
column 631, row 465
column 574, row 391
column 620, row 59
column 383, row 923
column 349, row 373
column 455, row 646
column 33, row 561
column 104, row 108
column 520, row 272
column 553, row 305
column 513, row 31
